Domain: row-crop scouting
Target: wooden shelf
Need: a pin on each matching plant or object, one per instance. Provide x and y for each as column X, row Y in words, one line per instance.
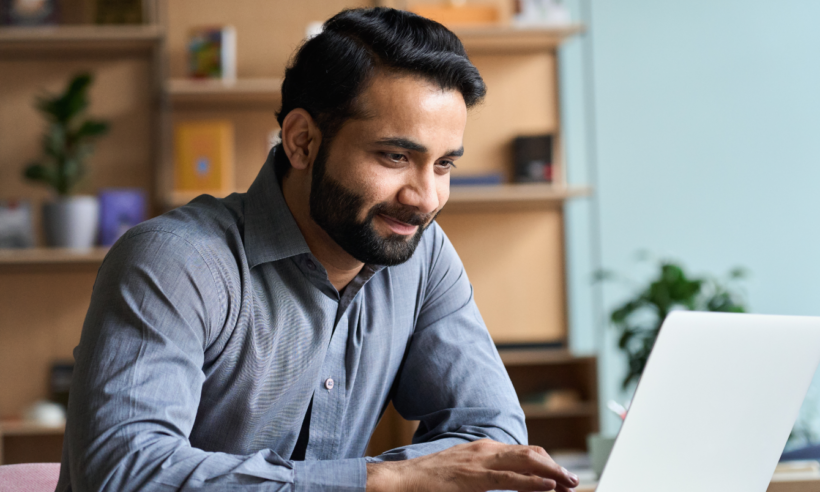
column 489, row 40
column 23, row 428
column 540, row 357
column 259, row 91
column 52, row 256
column 534, row 411
column 508, row 197
column 88, row 38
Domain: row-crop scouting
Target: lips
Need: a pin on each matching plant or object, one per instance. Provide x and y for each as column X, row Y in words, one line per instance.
column 398, row 227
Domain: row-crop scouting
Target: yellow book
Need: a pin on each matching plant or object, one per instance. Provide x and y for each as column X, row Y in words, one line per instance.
column 203, row 156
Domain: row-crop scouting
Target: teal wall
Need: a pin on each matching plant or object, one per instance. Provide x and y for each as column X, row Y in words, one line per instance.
column 704, row 118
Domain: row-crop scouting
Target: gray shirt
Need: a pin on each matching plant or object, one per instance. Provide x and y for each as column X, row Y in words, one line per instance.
column 212, row 327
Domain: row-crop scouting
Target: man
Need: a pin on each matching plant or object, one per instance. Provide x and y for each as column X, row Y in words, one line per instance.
column 253, row 342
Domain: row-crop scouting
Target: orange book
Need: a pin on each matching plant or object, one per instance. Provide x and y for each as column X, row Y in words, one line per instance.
column 203, row 156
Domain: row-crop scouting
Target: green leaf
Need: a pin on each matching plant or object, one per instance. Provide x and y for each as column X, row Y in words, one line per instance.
column 39, row 173
column 92, row 128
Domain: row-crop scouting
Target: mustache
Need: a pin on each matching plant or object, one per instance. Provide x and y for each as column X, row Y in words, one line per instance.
column 402, row 214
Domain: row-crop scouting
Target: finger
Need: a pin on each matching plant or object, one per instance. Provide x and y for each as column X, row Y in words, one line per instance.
column 531, row 459
column 561, row 488
column 508, row 480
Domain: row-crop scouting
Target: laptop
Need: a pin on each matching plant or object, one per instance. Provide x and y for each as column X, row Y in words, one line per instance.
column 715, row 405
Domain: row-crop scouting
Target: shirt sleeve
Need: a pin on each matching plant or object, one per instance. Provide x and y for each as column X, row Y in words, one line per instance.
column 453, row 380
column 138, row 379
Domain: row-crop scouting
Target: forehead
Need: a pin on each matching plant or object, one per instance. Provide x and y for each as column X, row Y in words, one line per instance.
column 409, row 106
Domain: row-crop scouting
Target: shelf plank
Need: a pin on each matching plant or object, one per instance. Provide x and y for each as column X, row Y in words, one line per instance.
column 52, row 256
column 506, row 197
column 528, row 357
column 511, row 39
column 23, row 428
column 260, row 91
column 534, row 411
column 82, row 38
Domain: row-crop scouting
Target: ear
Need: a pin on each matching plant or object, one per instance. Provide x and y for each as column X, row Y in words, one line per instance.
column 300, row 138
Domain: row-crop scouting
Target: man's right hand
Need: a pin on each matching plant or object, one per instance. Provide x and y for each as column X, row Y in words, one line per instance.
column 476, row 466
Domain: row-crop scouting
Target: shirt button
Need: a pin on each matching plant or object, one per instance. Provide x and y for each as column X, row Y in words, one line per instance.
column 329, row 383
column 311, row 265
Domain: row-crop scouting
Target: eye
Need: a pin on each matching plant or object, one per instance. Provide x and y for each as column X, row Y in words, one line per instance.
column 445, row 166
column 395, row 157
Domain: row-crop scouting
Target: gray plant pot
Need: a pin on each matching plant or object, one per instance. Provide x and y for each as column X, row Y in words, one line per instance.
column 71, row 221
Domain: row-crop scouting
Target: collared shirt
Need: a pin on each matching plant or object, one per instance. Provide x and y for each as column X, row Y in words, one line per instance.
column 212, row 327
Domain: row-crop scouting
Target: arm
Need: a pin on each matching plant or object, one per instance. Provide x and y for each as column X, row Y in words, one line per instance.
column 454, row 383
column 138, row 377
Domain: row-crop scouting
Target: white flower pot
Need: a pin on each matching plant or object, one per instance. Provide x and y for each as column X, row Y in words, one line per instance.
column 71, row 221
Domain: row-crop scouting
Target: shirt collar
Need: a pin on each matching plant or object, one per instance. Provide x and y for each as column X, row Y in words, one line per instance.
column 271, row 233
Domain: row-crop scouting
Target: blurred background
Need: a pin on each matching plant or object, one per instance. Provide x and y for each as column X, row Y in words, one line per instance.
column 622, row 145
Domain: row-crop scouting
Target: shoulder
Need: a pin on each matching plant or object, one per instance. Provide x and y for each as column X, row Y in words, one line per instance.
column 201, row 238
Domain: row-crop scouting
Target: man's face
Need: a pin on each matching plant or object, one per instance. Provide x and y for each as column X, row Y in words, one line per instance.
column 383, row 179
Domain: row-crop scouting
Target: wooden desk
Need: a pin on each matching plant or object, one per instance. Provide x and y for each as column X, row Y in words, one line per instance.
column 779, row 484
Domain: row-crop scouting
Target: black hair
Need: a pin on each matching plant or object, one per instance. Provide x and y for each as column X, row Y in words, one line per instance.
column 330, row 70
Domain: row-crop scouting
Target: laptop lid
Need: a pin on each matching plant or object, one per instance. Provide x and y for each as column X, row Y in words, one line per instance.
column 716, row 403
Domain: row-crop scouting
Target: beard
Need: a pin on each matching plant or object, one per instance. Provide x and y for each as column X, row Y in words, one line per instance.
column 336, row 209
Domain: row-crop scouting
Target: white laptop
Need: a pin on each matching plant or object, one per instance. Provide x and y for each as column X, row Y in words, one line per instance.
column 715, row 405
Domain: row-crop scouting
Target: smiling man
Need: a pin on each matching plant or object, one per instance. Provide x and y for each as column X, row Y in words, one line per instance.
column 253, row 342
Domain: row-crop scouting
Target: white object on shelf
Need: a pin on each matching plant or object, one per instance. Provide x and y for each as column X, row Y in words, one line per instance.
column 46, row 413
column 547, row 13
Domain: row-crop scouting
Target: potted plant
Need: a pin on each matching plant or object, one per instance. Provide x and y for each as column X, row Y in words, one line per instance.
column 68, row 220
column 638, row 319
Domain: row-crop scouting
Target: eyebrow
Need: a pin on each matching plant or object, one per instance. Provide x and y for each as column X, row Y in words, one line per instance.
column 408, row 144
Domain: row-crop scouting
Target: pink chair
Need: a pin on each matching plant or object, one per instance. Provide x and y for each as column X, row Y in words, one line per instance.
column 29, row 477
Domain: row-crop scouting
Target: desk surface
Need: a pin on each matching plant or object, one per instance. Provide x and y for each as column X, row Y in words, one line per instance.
column 779, row 484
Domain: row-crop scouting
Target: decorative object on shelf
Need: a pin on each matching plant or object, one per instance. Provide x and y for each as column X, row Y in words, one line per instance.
column 119, row 11
column 212, row 53
column 541, row 13
column 120, row 210
column 533, row 159
column 639, row 319
column 486, row 179
column 45, row 413
column 15, row 224
column 69, row 221
column 203, row 156
column 458, row 13
column 28, row 12
column 556, row 399
column 60, row 381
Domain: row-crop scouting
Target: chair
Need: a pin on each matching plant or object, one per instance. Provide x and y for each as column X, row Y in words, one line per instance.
column 29, row 477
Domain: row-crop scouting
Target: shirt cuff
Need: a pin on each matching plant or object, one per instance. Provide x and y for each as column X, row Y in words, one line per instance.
column 349, row 475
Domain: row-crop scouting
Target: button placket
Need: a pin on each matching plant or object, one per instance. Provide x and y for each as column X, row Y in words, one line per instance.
column 329, row 402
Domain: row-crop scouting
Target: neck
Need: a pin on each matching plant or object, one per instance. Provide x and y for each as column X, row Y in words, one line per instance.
column 340, row 266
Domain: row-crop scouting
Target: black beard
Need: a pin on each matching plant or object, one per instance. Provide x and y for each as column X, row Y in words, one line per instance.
column 336, row 208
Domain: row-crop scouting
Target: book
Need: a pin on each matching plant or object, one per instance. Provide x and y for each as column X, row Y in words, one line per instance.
column 487, row 179
column 119, row 11
column 203, row 156
column 212, row 53
column 120, row 210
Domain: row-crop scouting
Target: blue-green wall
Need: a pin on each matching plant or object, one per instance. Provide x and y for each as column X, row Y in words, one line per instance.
column 705, row 127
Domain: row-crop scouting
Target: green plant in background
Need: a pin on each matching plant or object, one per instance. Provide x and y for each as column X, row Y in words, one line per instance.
column 67, row 141
column 639, row 319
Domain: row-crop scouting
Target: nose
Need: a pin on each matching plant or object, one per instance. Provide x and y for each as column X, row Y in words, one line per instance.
column 421, row 192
